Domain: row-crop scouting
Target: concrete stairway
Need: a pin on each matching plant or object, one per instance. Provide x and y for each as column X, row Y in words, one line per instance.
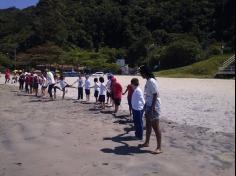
column 227, row 70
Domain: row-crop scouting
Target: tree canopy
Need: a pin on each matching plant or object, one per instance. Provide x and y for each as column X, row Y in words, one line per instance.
column 143, row 30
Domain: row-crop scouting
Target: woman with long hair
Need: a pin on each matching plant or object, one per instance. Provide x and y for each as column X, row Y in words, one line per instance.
column 152, row 108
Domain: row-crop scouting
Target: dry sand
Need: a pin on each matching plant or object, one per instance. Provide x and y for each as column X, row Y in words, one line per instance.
column 41, row 138
column 208, row 103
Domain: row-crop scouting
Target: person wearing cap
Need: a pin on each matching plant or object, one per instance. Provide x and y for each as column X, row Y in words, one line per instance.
column 152, row 108
column 116, row 93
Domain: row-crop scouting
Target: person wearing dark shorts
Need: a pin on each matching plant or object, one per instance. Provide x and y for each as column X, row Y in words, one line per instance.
column 80, row 83
column 116, row 93
column 102, row 95
column 87, row 92
column 117, row 101
column 87, row 85
column 96, row 89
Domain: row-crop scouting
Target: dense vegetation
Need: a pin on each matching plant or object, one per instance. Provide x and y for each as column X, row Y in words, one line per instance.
column 173, row 33
column 203, row 69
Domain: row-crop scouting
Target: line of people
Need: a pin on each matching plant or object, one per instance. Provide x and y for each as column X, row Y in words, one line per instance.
column 140, row 103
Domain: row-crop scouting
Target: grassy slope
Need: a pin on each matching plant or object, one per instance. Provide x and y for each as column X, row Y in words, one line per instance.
column 204, row 69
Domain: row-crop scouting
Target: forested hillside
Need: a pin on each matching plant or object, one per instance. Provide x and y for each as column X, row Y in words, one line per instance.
column 171, row 32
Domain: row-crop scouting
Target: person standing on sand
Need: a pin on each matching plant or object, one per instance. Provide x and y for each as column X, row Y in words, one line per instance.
column 138, row 103
column 7, row 76
column 130, row 91
column 108, row 86
column 36, row 84
column 80, row 82
column 21, row 81
column 27, row 83
column 44, row 84
column 102, row 93
column 116, row 94
column 87, row 86
column 51, row 83
column 96, row 89
column 152, row 108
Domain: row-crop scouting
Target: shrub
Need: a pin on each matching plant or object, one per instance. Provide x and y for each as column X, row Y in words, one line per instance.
column 5, row 62
column 180, row 53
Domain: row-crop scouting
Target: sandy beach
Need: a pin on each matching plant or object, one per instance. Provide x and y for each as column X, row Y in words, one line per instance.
column 67, row 138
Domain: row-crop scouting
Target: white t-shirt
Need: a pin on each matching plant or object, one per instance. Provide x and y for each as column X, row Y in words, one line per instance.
column 50, row 78
column 96, row 87
column 87, row 84
column 44, row 82
column 151, row 88
column 62, row 83
column 108, row 85
column 80, row 82
column 103, row 89
column 137, row 100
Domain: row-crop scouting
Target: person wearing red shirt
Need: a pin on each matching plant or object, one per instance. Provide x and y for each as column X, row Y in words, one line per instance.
column 130, row 93
column 117, row 93
column 7, row 76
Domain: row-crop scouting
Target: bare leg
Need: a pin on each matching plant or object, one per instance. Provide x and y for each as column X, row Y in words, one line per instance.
column 63, row 95
column 156, row 128
column 116, row 108
column 148, row 132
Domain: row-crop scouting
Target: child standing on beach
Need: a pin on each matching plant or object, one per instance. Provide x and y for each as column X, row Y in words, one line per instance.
column 44, row 84
column 102, row 95
column 22, row 81
column 31, row 80
column 138, row 103
column 96, row 89
column 108, row 86
column 80, row 82
column 27, row 83
column 130, row 91
column 36, row 84
column 7, row 76
column 116, row 93
column 87, row 88
column 51, row 83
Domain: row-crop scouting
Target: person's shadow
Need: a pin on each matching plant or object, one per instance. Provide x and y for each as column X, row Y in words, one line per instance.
column 124, row 149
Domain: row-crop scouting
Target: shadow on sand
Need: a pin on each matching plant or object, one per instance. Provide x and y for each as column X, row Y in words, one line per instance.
column 124, row 149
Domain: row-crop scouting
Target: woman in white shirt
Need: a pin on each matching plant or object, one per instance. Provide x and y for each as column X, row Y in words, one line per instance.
column 138, row 104
column 152, row 108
